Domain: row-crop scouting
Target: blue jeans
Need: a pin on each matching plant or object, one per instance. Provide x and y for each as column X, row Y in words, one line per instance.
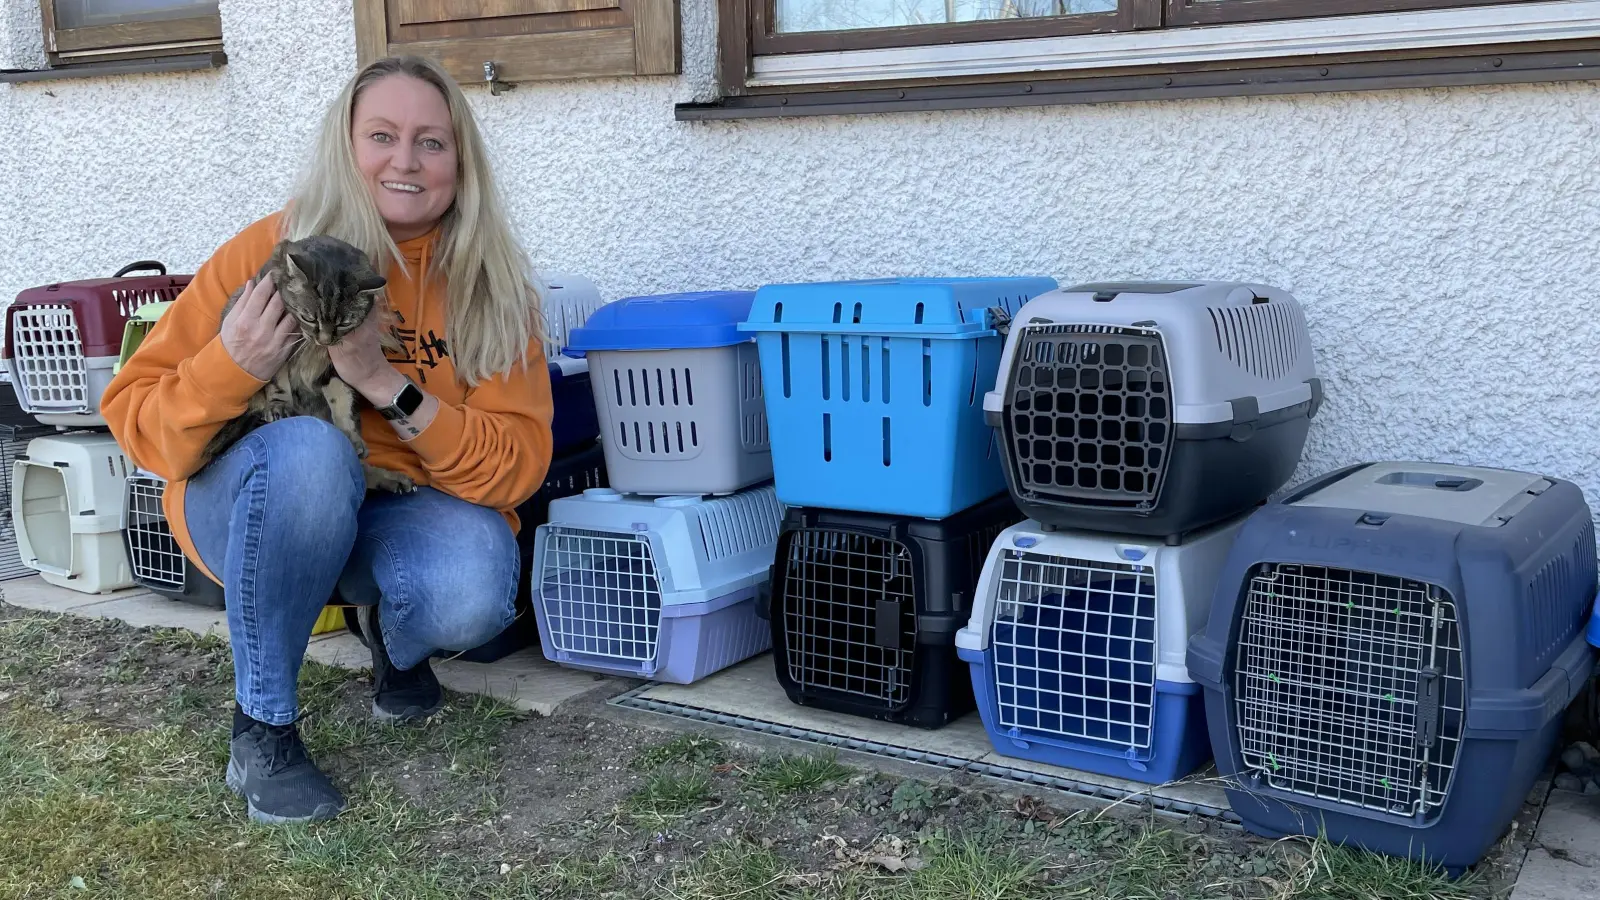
column 283, row 517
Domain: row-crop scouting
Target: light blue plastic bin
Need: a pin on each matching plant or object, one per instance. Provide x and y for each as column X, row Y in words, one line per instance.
column 660, row 588
column 874, row 390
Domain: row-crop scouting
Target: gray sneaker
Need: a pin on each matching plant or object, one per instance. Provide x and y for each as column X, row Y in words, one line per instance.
column 268, row 766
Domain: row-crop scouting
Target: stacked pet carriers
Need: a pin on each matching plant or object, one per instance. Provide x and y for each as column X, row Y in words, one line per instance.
column 1139, row 424
column 892, row 480
column 67, row 491
column 653, row 573
column 63, row 340
column 1390, row 651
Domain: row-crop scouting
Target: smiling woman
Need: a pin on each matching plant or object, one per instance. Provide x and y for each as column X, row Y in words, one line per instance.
column 458, row 401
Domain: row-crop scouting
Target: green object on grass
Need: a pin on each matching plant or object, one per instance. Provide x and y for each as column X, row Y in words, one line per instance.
column 139, row 324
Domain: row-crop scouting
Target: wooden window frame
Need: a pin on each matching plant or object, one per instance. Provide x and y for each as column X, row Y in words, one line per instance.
column 186, row 37
column 614, row 39
column 1237, row 47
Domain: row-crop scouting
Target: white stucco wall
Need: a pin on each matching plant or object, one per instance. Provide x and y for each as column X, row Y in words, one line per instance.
column 1446, row 243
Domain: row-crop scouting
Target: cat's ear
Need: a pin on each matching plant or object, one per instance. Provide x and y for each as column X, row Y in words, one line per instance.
column 370, row 281
column 299, row 265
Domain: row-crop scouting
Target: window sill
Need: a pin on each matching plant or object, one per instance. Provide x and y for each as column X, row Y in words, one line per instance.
column 1390, row 74
column 187, row 63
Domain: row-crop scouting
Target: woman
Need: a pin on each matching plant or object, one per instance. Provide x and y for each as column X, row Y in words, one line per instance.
column 283, row 517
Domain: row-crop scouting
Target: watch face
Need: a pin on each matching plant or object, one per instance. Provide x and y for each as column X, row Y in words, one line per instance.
column 410, row 398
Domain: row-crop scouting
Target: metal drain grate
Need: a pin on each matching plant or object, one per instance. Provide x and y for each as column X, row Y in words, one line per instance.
column 1146, row 795
column 849, row 614
column 1074, row 645
column 1089, row 415
column 51, row 374
column 600, row 594
column 153, row 553
column 1349, row 687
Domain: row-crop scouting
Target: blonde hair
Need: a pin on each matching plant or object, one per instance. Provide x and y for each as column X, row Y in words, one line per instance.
column 493, row 299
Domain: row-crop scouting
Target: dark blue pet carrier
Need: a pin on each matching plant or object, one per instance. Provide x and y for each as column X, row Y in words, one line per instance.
column 1390, row 650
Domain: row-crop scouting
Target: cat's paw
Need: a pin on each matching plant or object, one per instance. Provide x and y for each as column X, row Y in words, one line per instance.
column 385, row 480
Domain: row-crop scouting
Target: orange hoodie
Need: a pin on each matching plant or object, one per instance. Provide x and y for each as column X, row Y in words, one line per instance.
column 489, row 445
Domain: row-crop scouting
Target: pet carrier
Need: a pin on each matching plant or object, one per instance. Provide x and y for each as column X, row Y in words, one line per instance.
column 876, row 390
column 570, row 301
column 13, row 443
column 66, row 503
column 62, row 341
column 661, row 589
column 1389, row 652
column 864, row 609
column 678, row 390
column 154, row 557
column 1153, row 409
column 1076, row 647
column 139, row 324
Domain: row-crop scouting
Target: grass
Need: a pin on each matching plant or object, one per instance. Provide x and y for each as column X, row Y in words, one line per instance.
column 781, row 776
column 666, row 797
column 102, row 803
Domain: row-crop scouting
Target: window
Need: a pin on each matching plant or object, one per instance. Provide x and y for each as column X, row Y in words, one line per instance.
column 95, row 31
column 794, row 57
column 507, row 41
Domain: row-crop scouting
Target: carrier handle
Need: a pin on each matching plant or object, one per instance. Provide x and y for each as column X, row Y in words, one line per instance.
column 142, row 265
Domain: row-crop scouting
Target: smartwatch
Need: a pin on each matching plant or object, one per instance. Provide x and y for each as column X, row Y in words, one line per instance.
column 405, row 402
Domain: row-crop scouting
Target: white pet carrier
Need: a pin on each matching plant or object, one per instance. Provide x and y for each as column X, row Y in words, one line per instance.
column 66, row 503
column 1077, row 643
column 11, row 447
column 660, row 588
column 1153, row 408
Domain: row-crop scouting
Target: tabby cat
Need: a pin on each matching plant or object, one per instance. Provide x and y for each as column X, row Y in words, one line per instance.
column 329, row 287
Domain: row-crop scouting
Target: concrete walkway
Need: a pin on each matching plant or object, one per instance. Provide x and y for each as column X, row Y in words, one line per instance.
column 1563, row 862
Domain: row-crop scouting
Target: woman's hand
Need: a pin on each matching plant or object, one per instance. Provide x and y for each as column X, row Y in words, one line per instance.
column 257, row 332
column 358, row 360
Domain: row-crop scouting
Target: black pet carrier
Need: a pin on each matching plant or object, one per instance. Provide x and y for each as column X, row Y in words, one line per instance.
column 864, row 609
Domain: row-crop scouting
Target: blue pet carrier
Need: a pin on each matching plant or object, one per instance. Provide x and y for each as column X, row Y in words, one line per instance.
column 659, row 588
column 876, row 390
column 1390, row 650
column 1077, row 644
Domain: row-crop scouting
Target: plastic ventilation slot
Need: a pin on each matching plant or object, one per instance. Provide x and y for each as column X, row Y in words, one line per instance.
column 1264, row 339
column 153, row 553
column 1090, row 415
column 129, row 300
column 1348, row 687
column 641, row 395
column 753, row 424
column 48, row 353
column 849, row 614
column 602, row 595
column 1549, row 628
column 740, row 523
column 1075, row 649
